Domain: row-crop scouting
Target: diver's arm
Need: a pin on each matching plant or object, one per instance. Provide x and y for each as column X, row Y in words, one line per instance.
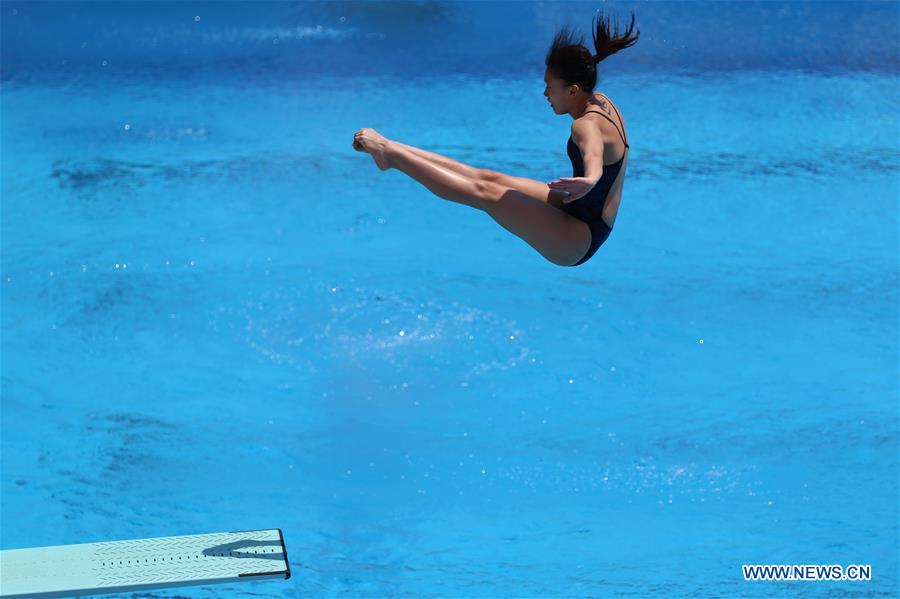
column 589, row 139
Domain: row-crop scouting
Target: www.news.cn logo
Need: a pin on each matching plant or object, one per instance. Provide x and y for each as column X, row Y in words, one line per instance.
column 806, row 572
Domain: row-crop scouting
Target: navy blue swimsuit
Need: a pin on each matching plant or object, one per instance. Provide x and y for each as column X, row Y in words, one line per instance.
column 589, row 207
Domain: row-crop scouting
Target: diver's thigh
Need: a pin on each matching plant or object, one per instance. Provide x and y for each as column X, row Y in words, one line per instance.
column 559, row 237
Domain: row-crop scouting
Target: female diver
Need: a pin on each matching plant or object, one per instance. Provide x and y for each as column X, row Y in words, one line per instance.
column 565, row 220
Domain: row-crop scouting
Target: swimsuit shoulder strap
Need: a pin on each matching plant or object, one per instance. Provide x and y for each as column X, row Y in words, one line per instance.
column 621, row 133
column 620, row 120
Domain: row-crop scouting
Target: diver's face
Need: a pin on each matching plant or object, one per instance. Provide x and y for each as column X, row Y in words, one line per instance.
column 555, row 92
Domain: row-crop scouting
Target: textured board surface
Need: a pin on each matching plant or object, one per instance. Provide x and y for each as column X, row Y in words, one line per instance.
column 109, row 567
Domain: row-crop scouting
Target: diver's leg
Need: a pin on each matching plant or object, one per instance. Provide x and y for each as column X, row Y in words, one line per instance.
column 458, row 167
column 442, row 181
column 559, row 237
column 536, row 189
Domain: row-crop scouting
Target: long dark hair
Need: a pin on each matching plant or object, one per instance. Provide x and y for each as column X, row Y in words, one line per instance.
column 570, row 61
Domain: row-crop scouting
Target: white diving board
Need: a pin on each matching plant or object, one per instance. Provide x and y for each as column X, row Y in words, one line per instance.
column 162, row 562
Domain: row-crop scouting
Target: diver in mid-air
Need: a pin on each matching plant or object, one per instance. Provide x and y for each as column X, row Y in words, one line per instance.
column 565, row 220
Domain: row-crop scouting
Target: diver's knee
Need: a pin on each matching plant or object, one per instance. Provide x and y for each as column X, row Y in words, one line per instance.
column 489, row 192
column 488, row 175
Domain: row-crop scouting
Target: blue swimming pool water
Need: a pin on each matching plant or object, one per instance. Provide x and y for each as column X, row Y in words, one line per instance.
column 218, row 316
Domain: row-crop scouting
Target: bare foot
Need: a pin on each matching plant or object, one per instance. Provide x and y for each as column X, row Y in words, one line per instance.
column 369, row 140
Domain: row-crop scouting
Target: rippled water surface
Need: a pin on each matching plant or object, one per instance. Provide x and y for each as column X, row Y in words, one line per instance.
column 218, row 316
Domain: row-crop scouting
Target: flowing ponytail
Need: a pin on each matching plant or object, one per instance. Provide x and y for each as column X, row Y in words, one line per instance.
column 606, row 44
column 572, row 62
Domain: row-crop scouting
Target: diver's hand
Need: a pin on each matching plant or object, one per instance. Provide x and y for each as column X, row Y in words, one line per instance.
column 577, row 187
